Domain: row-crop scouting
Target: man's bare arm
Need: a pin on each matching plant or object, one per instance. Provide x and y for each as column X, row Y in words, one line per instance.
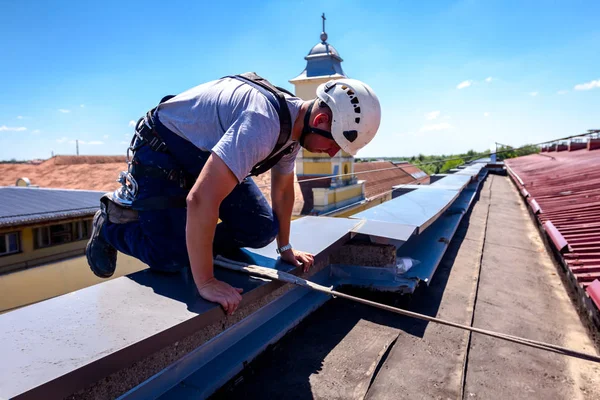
column 215, row 182
column 282, row 198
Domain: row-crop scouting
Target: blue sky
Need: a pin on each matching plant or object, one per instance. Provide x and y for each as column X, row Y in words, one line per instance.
column 451, row 75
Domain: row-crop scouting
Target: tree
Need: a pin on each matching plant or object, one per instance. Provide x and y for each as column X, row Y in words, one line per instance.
column 448, row 165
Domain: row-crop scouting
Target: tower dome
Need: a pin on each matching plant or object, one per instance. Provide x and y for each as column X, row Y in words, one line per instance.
column 322, row 61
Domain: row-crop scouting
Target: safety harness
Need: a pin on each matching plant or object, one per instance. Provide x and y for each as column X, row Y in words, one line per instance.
column 276, row 97
column 147, row 134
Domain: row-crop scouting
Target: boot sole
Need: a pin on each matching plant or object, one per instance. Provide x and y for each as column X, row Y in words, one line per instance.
column 94, row 236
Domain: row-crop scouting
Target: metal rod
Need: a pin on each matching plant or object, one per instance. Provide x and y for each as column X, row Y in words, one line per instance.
column 274, row 274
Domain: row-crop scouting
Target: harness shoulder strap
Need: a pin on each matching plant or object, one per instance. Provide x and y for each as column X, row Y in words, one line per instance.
column 276, row 97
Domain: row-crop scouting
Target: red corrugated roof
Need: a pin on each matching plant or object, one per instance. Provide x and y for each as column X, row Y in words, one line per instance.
column 382, row 181
column 565, row 186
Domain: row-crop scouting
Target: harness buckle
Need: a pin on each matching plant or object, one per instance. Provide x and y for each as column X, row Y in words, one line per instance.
column 172, row 175
column 157, row 144
column 128, row 190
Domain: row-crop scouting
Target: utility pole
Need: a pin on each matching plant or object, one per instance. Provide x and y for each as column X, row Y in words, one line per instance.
column 77, row 146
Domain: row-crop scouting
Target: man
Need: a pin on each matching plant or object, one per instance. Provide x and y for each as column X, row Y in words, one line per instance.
column 216, row 134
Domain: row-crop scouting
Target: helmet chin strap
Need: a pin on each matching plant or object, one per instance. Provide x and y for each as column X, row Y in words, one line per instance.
column 306, row 129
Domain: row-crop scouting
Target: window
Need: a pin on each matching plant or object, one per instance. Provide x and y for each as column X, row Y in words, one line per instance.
column 9, row 243
column 57, row 234
column 83, row 229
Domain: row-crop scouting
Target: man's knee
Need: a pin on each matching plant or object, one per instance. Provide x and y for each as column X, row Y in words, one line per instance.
column 263, row 233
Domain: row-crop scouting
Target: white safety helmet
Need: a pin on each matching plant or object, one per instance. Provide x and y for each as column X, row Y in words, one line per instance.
column 356, row 112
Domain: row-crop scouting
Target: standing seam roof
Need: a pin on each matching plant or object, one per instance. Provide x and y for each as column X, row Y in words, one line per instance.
column 20, row 205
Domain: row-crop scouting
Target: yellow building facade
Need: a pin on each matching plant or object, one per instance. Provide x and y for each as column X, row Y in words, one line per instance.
column 42, row 244
column 323, row 63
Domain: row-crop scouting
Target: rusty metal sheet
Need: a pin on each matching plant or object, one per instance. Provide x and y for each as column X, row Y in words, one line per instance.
column 593, row 291
column 565, row 188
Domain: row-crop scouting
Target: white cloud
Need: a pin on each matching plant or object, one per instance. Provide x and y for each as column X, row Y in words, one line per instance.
column 64, row 110
column 588, row 85
column 62, row 140
column 132, row 123
column 82, row 105
column 561, row 92
column 75, row 141
column 489, row 79
column 36, row 131
column 464, row 84
column 12, row 129
column 432, row 115
column 436, row 127
column 20, row 117
column 486, row 114
column 124, row 142
column 533, row 94
column 95, row 142
column 105, row 136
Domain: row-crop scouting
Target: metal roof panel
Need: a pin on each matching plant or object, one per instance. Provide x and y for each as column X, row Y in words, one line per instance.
column 24, row 205
column 417, row 208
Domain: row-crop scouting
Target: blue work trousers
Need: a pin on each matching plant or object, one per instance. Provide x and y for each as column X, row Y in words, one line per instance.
column 158, row 237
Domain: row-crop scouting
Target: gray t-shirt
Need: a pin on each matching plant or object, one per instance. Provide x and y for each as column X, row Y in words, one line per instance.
column 232, row 120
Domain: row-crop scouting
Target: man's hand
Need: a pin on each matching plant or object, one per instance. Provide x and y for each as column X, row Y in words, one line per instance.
column 220, row 292
column 297, row 257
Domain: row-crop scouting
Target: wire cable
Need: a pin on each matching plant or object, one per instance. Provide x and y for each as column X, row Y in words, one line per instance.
column 273, row 274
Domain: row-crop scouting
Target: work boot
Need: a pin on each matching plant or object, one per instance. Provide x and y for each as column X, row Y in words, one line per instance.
column 101, row 256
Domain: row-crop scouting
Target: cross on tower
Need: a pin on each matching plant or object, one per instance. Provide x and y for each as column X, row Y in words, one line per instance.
column 323, row 16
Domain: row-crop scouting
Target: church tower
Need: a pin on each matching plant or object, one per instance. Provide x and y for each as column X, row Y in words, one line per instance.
column 324, row 63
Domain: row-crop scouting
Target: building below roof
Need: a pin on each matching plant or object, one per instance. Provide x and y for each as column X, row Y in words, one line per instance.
column 22, row 205
column 379, row 182
column 42, row 225
column 97, row 173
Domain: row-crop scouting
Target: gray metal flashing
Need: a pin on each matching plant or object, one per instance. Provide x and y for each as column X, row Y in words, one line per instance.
column 416, row 208
column 471, row 170
column 410, row 188
column 453, row 181
column 429, row 247
column 200, row 373
column 66, row 343
column 401, row 190
column 311, row 234
column 204, row 370
column 81, row 337
column 385, row 232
